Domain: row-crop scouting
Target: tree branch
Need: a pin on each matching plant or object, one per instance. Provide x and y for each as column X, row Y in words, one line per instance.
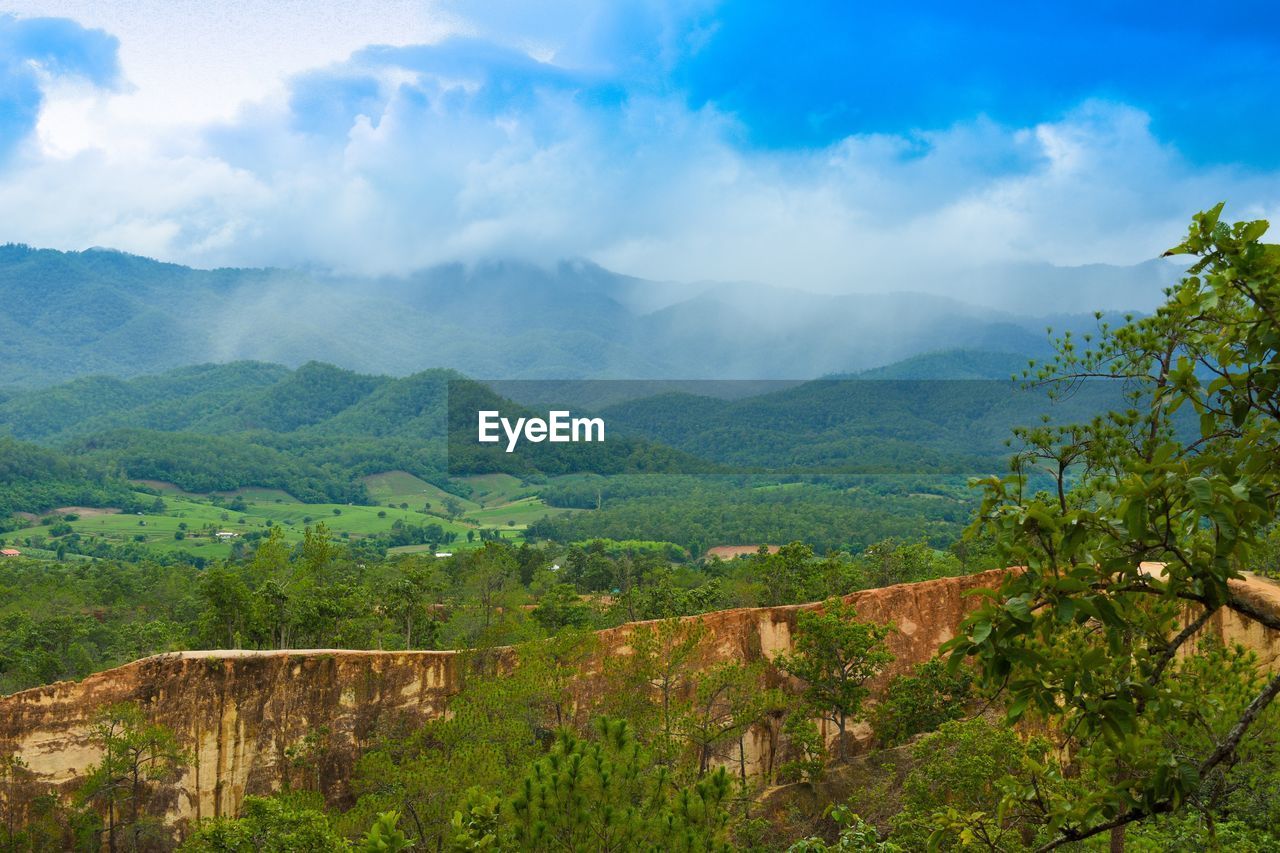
column 1176, row 643
column 1245, row 607
column 1071, row 836
column 1228, row 746
column 1222, row 752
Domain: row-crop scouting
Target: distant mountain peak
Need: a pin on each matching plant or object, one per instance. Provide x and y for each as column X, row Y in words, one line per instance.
column 104, row 311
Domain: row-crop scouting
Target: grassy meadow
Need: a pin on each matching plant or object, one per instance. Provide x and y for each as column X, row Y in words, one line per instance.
column 190, row 522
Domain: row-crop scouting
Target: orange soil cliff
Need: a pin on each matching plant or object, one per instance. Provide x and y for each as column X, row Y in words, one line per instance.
column 237, row 712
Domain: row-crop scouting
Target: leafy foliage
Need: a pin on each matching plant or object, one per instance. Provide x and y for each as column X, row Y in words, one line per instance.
column 1136, row 543
column 606, row 794
column 955, row 795
column 835, row 656
column 282, row 824
column 921, row 702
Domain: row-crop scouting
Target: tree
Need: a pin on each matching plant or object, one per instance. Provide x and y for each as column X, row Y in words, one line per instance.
column 955, row 794
column 794, row 574
column 560, row 606
column 653, row 682
column 281, row 824
column 1221, row 681
column 922, row 701
column 806, row 746
column 490, row 572
column 407, row 597
column 1149, row 516
column 891, row 562
column 607, row 795
column 728, row 700
column 270, row 559
column 273, row 611
column 555, row 665
column 835, row 656
column 14, row 776
column 138, row 758
column 497, row 726
column 317, row 549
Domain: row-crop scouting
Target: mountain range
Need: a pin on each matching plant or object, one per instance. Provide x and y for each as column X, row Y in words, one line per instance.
column 98, row 311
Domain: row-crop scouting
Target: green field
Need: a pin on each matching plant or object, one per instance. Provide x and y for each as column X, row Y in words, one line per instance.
column 515, row 515
column 199, row 519
column 491, row 490
column 397, row 487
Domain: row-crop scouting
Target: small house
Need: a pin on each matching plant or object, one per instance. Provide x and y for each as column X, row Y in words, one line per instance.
column 10, row 552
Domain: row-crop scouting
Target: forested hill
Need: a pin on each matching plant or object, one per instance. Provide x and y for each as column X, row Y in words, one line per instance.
column 866, row 424
column 313, row 432
column 840, row 463
column 73, row 314
column 316, row 430
column 951, row 364
column 234, row 398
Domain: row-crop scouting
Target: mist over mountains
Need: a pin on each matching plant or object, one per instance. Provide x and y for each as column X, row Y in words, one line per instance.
column 70, row 314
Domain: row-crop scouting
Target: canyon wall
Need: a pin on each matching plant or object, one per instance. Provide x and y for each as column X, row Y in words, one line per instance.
column 237, row 712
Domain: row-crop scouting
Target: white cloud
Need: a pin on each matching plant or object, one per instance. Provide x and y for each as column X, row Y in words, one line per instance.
column 195, row 61
column 455, row 159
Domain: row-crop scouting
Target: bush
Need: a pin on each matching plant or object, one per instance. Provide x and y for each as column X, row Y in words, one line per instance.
column 921, row 702
column 808, row 752
column 280, row 824
column 957, row 788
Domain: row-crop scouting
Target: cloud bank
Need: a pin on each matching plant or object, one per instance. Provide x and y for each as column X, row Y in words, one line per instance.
column 601, row 131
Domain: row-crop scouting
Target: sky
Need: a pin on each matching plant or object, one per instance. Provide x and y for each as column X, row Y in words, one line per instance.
column 833, row 146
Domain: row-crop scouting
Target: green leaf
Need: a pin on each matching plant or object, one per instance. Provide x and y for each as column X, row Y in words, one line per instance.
column 1018, row 609
column 1255, row 229
column 1018, row 707
column 1201, row 489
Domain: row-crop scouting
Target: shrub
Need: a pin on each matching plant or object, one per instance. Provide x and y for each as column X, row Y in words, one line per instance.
column 921, row 702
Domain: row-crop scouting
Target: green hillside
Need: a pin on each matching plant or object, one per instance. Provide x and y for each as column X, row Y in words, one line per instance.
column 102, row 312
column 34, row 479
column 861, row 458
column 951, row 364
column 871, row 426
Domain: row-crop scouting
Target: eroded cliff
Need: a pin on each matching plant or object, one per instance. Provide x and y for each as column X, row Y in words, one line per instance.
column 237, row 712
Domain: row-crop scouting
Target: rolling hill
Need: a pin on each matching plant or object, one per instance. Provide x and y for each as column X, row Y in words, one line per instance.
column 842, row 460
column 74, row 314
column 315, row 430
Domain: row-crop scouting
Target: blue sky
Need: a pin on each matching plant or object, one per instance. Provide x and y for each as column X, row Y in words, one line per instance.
column 838, row 146
column 808, row 74
column 34, row 50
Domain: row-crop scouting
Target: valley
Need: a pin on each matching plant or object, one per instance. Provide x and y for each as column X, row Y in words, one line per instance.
column 650, row 426
column 307, row 597
column 366, row 456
